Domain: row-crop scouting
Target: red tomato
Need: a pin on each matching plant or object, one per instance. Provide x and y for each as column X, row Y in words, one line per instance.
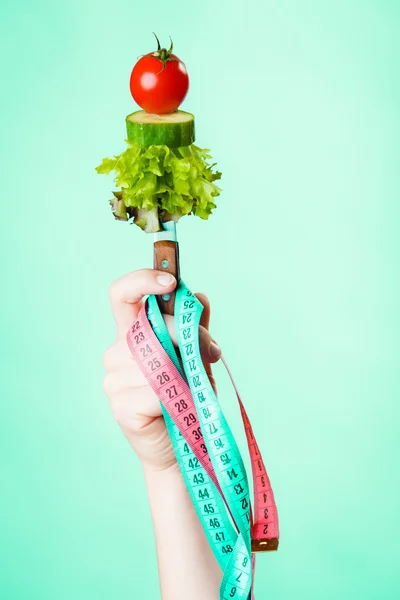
column 159, row 86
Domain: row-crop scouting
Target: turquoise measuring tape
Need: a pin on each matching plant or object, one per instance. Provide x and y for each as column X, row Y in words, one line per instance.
column 232, row 550
column 205, row 449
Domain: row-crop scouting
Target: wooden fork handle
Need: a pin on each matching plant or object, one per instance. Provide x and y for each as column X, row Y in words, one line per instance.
column 166, row 258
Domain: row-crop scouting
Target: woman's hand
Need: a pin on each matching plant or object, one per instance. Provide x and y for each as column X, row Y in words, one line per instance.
column 134, row 404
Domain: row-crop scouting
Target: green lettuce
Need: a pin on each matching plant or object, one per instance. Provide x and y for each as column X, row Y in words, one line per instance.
column 161, row 184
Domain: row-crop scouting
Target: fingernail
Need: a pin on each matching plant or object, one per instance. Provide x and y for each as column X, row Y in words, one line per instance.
column 215, row 350
column 165, row 279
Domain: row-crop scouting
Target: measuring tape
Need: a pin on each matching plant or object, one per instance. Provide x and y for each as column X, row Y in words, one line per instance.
column 205, row 449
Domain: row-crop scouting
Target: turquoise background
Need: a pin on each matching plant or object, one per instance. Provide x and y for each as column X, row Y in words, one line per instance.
column 299, row 103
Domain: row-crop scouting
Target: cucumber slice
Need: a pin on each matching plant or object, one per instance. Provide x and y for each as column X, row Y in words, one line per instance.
column 173, row 130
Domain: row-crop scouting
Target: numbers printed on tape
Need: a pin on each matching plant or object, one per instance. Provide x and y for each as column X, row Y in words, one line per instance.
column 220, row 443
column 217, row 527
column 205, row 448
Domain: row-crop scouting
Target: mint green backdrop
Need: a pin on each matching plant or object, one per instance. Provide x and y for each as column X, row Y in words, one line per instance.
column 298, row 101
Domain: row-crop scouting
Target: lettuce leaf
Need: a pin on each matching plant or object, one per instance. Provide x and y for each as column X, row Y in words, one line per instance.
column 162, row 184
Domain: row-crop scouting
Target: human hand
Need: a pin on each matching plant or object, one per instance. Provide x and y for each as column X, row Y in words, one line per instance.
column 133, row 402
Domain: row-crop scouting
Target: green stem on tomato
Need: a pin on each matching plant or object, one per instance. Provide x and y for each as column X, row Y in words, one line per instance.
column 162, row 53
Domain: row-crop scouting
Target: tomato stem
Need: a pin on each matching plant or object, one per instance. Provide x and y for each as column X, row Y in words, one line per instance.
column 162, row 53
column 158, row 42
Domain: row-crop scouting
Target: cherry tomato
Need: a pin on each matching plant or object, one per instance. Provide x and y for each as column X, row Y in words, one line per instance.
column 159, row 81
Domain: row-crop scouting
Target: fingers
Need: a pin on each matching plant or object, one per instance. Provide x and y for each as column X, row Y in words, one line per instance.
column 210, row 352
column 118, row 358
column 126, row 294
column 205, row 315
column 205, row 322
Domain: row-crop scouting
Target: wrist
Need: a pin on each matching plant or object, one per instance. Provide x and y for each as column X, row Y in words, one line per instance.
column 151, row 470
